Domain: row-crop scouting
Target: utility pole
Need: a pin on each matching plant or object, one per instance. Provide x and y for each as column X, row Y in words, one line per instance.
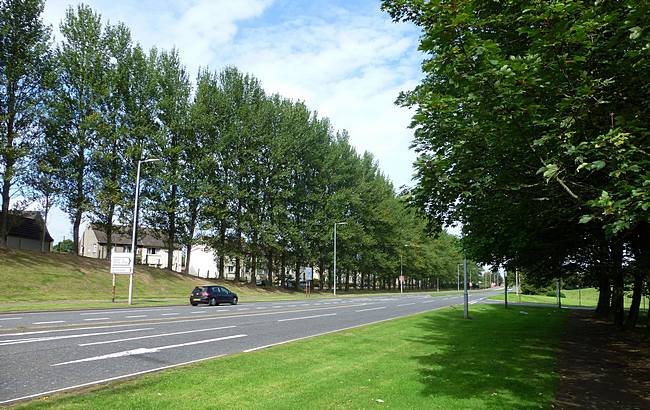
column 505, row 286
column 465, row 295
column 458, row 274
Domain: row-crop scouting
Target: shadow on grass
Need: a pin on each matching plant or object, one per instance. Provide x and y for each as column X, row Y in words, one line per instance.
column 498, row 359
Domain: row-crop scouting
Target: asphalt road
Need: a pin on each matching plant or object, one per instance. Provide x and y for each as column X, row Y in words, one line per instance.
column 44, row 353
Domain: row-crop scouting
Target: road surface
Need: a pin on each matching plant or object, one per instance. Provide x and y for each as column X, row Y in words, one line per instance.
column 44, row 353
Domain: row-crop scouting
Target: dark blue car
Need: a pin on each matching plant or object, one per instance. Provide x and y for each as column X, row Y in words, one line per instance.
column 212, row 295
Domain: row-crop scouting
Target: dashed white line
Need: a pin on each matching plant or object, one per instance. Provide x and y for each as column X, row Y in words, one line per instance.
column 169, row 314
column 366, row 310
column 48, row 323
column 198, row 311
column 152, row 336
column 134, row 316
column 140, row 351
column 407, row 304
column 97, row 318
column 306, row 317
column 11, row 318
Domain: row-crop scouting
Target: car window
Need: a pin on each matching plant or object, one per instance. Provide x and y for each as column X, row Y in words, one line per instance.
column 198, row 289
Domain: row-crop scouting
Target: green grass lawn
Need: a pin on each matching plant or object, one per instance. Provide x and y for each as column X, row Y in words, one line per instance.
column 587, row 297
column 51, row 281
column 501, row 359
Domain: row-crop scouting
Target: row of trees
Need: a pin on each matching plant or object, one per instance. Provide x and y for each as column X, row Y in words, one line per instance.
column 259, row 178
column 532, row 128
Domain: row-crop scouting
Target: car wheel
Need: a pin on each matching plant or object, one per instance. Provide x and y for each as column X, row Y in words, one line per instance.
column 234, row 301
column 213, row 302
column 194, row 304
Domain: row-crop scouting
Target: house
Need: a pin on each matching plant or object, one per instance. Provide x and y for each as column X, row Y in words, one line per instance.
column 26, row 230
column 150, row 250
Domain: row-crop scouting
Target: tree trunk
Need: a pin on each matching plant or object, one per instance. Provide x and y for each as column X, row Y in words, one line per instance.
column 269, row 267
column 75, row 229
column 618, row 293
column 633, row 315
column 253, row 269
column 374, row 282
column 297, row 285
column 321, row 271
column 604, row 295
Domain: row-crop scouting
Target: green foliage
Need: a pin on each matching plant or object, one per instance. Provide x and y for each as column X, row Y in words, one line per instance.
column 65, row 246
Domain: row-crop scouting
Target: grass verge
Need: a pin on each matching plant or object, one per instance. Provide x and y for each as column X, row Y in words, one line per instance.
column 500, row 359
column 587, row 297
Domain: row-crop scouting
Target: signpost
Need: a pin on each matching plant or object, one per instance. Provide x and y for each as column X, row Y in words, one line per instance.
column 401, row 283
column 120, row 265
column 309, row 276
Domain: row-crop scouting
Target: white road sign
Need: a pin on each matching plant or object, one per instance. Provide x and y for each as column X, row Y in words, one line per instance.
column 121, row 263
column 309, row 274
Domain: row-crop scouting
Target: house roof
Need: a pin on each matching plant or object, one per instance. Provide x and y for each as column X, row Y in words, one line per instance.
column 121, row 235
column 27, row 225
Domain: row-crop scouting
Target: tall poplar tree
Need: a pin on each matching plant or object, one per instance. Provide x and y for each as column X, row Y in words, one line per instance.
column 25, row 64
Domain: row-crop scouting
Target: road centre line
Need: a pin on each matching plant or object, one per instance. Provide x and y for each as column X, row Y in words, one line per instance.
column 406, row 304
column 306, row 317
column 11, row 318
column 169, row 314
column 153, row 336
column 139, row 351
column 186, row 319
column 134, row 316
column 48, row 323
column 49, row 338
column 98, row 318
column 366, row 310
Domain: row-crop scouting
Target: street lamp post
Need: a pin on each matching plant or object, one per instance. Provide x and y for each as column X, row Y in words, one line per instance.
column 465, row 295
column 334, row 278
column 135, row 223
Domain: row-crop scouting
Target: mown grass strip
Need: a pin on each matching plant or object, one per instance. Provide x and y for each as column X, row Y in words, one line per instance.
column 500, row 359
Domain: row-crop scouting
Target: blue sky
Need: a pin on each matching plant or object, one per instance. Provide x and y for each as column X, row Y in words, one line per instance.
column 346, row 59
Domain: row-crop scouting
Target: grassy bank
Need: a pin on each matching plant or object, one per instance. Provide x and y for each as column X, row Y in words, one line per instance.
column 499, row 359
column 587, row 297
column 35, row 281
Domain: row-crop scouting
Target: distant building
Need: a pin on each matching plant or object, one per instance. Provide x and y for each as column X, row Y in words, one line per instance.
column 150, row 250
column 26, row 231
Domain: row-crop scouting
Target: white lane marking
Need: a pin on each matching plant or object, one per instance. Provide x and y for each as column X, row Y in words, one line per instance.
column 259, row 308
column 134, row 316
column 47, row 323
column 306, row 317
column 198, row 311
column 242, row 309
column 48, row 338
column 169, row 314
column 153, row 336
column 406, row 304
column 142, row 350
column 11, row 318
column 180, row 320
column 429, row 301
column 97, row 318
column 366, row 310
column 124, row 311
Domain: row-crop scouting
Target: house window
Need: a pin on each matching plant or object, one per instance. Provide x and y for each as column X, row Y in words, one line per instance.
column 231, row 268
column 127, row 248
column 152, row 251
column 94, row 248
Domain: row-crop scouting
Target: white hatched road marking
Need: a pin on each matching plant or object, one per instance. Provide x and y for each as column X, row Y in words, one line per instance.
column 49, row 338
column 153, row 336
column 139, row 351
column 306, row 317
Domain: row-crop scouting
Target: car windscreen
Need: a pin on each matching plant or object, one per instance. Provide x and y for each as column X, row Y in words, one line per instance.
column 198, row 289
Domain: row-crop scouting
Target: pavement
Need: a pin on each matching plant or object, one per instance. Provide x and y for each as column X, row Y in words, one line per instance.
column 49, row 352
